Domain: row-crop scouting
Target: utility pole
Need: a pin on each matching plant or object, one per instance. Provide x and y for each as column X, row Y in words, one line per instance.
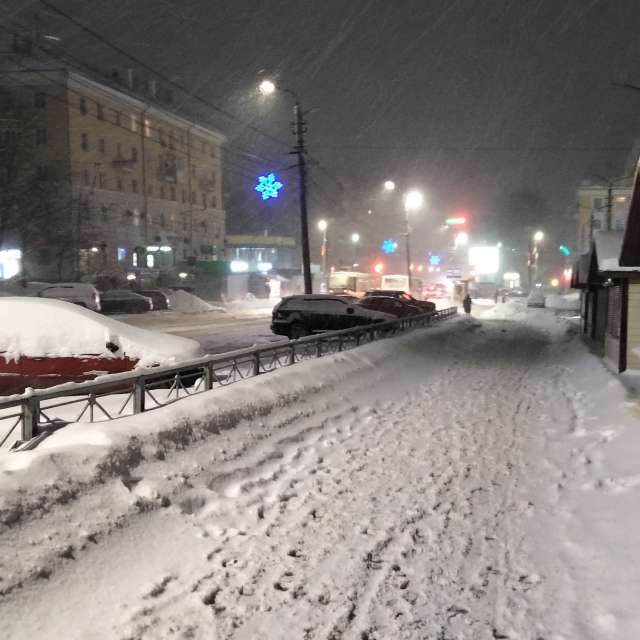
column 408, row 250
column 609, row 222
column 300, row 150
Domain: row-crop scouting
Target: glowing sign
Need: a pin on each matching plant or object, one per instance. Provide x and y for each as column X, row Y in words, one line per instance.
column 389, row 246
column 455, row 221
column 268, row 186
column 485, row 260
column 435, row 261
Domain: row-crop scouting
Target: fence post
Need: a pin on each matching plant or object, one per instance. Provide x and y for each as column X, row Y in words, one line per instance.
column 319, row 348
column 340, row 343
column 207, row 373
column 256, row 364
column 139, row 395
column 30, row 418
column 292, row 355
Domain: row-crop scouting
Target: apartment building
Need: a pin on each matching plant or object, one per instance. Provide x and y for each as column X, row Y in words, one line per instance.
column 144, row 185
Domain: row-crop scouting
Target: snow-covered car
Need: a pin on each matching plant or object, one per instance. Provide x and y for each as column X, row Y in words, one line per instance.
column 159, row 298
column 536, row 299
column 395, row 306
column 47, row 342
column 124, row 301
column 80, row 293
column 301, row 315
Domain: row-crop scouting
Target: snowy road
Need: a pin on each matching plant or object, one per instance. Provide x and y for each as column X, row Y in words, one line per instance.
column 418, row 496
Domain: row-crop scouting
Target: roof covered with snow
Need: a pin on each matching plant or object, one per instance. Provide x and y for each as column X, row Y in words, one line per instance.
column 608, row 245
column 42, row 327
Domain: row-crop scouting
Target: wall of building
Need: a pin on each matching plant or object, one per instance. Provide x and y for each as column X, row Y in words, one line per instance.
column 633, row 325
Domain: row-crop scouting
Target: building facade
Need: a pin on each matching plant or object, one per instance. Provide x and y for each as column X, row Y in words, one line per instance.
column 142, row 186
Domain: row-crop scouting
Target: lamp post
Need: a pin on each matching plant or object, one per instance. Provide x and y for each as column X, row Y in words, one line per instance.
column 412, row 202
column 322, row 226
column 267, row 87
column 534, row 253
column 355, row 239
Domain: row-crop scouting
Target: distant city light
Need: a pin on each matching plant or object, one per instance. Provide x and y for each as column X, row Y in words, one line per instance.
column 554, row 282
column 239, row 266
column 268, row 186
column 263, row 267
column 389, row 185
column 567, row 274
column 94, row 249
column 322, row 225
column 413, row 200
column 355, row 238
column 538, row 236
column 131, row 276
column 379, row 267
column 389, row 246
column 182, row 275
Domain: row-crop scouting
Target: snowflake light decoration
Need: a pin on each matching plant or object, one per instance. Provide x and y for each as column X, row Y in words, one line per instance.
column 389, row 246
column 268, row 186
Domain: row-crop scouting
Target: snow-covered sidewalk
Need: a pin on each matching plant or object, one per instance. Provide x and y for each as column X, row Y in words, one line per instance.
column 474, row 480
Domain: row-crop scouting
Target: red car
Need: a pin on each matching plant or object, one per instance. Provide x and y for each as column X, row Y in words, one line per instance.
column 395, row 306
column 47, row 342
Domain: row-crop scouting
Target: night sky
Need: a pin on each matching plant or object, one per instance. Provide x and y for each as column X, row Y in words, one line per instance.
column 467, row 99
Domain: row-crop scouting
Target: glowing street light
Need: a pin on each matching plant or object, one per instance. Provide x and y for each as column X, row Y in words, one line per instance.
column 538, row 236
column 461, row 239
column 412, row 202
column 322, row 225
column 355, row 238
column 267, row 87
column 389, row 185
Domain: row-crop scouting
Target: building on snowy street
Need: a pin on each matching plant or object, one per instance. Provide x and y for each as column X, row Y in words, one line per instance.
column 140, row 188
column 609, row 277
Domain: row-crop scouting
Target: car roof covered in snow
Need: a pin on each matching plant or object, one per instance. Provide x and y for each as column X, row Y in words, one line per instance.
column 45, row 327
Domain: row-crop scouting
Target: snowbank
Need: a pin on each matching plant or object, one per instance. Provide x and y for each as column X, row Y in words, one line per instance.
column 38, row 327
column 186, row 302
column 569, row 301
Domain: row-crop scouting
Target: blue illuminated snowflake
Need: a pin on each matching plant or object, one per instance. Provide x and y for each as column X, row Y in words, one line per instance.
column 389, row 245
column 268, row 186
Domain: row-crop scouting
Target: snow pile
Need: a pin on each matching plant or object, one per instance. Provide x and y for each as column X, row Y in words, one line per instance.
column 186, row 302
column 477, row 479
column 569, row 301
column 38, row 327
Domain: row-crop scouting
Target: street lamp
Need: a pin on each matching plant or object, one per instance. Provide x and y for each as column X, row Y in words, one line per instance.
column 412, row 202
column 267, row 87
column 322, row 226
column 355, row 238
column 389, row 185
column 538, row 236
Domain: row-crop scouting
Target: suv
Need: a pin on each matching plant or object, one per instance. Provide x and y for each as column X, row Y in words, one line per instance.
column 80, row 293
column 298, row 316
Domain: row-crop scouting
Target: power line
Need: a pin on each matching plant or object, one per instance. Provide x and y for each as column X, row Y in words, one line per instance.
column 161, row 75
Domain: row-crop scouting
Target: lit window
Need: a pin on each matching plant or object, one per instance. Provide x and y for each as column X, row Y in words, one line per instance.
column 122, row 254
column 134, row 259
column 150, row 260
column 147, row 128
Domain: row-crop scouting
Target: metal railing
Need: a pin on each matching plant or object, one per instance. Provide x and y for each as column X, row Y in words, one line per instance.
column 40, row 411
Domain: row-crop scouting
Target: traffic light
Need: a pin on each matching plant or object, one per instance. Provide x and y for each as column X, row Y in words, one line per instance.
column 564, row 250
column 455, row 221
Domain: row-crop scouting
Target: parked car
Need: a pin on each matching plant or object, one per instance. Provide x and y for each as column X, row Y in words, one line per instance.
column 515, row 293
column 395, row 306
column 536, row 299
column 426, row 305
column 124, row 301
column 80, row 293
column 301, row 315
column 159, row 298
column 48, row 342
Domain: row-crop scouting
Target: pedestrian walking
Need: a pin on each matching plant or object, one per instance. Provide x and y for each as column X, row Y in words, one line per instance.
column 466, row 304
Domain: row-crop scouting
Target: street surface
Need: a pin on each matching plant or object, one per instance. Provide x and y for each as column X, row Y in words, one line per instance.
column 432, row 486
column 215, row 332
